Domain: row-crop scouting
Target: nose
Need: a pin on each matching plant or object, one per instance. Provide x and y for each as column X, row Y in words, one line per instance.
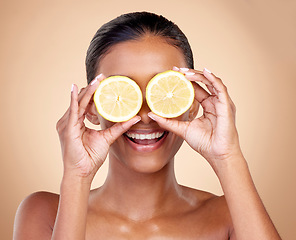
column 143, row 113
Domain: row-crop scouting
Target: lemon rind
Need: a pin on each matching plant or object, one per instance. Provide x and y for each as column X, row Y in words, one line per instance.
column 156, row 79
column 110, row 117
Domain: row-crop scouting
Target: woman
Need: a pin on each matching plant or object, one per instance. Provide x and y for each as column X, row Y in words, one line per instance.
column 141, row 198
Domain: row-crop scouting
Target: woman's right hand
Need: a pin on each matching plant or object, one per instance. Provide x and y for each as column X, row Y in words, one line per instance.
column 85, row 150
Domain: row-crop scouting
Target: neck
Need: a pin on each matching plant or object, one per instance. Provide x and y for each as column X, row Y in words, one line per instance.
column 140, row 196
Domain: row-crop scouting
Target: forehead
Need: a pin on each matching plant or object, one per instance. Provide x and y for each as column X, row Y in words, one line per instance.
column 146, row 56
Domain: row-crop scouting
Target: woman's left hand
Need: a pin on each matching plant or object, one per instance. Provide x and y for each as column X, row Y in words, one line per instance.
column 214, row 134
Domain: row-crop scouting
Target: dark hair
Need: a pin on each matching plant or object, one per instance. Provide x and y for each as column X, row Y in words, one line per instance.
column 132, row 26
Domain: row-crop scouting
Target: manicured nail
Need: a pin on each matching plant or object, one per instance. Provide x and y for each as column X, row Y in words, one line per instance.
column 189, row 73
column 96, row 79
column 175, row 68
column 207, row 70
column 149, row 115
column 138, row 120
column 184, row 69
column 72, row 87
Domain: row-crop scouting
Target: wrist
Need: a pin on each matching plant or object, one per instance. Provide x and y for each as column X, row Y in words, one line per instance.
column 228, row 163
column 72, row 179
column 73, row 205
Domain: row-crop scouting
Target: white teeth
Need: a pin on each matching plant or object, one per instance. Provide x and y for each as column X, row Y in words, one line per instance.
column 145, row 136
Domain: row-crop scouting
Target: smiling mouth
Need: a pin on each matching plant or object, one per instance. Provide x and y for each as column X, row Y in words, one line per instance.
column 145, row 139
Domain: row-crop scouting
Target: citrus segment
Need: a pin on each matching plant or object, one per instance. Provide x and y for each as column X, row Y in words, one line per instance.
column 169, row 94
column 118, row 98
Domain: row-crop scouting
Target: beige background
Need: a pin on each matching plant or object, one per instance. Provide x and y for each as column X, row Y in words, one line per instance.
column 251, row 45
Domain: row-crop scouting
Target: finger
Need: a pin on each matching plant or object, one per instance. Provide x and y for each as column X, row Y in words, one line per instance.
column 81, row 93
column 73, row 110
column 63, row 122
column 189, row 72
column 112, row 133
column 83, row 90
column 196, row 76
column 172, row 125
column 223, row 96
column 200, row 93
column 220, row 88
column 200, row 76
column 233, row 108
column 216, row 88
column 211, row 89
column 86, row 99
column 184, row 70
column 64, row 119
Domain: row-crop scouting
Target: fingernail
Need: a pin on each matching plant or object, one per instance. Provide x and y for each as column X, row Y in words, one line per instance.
column 207, row 70
column 149, row 115
column 138, row 120
column 96, row 79
column 184, row 69
column 189, row 73
column 72, row 87
column 175, row 68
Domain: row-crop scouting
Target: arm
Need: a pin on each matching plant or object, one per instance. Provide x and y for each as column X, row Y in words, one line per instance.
column 72, row 211
column 250, row 219
column 214, row 136
column 84, row 150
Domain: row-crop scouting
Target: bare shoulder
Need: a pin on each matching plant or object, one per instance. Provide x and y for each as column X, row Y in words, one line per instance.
column 35, row 216
column 206, row 199
column 211, row 212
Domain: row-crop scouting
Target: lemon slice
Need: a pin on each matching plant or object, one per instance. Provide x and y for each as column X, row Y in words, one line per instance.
column 169, row 94
column 118, row 98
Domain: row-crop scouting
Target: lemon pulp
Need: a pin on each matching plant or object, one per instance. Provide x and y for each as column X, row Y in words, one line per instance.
column 169, row 94
column 118, row 98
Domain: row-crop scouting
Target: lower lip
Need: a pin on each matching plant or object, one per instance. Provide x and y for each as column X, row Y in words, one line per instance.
column 146, row 148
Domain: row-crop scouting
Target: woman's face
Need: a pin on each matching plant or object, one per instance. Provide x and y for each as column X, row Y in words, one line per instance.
column 140, row 60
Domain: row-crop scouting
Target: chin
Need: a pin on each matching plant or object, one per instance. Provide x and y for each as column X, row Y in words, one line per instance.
column 144, row 151
column 145, row 163
column 149, row 165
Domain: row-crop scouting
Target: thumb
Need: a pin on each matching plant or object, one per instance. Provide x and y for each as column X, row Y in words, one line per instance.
column 112, row 133
column 172, row 125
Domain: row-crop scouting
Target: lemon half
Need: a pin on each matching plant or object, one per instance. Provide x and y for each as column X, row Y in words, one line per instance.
column 118, row 98
column 169, row 94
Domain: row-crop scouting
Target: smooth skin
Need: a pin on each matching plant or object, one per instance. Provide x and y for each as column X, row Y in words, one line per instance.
column 141, row 198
